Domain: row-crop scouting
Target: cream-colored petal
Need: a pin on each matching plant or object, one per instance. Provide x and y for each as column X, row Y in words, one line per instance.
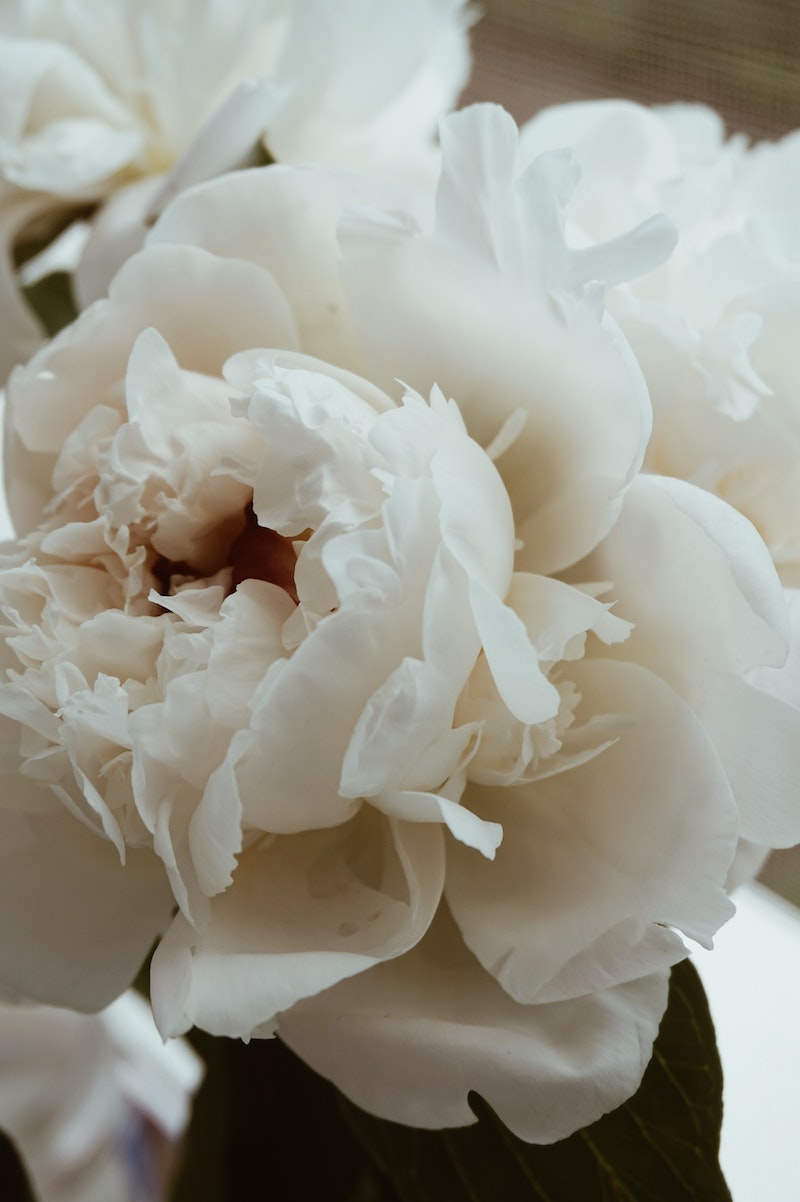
column 638, row 838
column 411, row 1038
column 78, row 924
column 302, row 913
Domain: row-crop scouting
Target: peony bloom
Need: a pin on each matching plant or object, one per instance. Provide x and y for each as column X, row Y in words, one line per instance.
column 714, row 327
column 93, row 1102
column 109, row 107
column 410, row 716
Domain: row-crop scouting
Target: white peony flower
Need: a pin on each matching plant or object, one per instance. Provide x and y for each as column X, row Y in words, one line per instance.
column 413, row 725
column 93, row 1102
column 714, row 327
column 109, row 107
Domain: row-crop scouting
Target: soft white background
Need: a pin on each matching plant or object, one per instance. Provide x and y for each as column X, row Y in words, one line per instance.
column 752, row 979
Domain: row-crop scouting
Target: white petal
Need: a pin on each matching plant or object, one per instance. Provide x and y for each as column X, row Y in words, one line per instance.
column 297, row 245
column 223, row 142
column 465, row 826
column 297, row 919
column 289, row 769
column 757, row 737
column 82, row 924
column 512, row 659
column 409, row 1039
column 555, row 613
column 641, row 835
column 712, row 597
column 451, row 318
column 409, row 711
column 168, row 288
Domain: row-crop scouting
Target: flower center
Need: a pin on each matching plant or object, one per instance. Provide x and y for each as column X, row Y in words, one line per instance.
column 256, row 553
column 262, row 554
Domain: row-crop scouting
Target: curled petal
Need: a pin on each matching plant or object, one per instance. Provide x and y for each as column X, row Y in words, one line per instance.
column 302, row 914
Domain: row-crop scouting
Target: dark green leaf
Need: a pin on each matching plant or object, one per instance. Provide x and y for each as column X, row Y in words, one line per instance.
column 661, row 1146
column 52, row 301
column 265, row 1127
column 14, row 1185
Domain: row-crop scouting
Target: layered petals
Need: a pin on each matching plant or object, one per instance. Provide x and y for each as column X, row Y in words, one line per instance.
column 713, row 327
column 591, row 881
column 303, row 914
column 428, row 727
column 109, row 111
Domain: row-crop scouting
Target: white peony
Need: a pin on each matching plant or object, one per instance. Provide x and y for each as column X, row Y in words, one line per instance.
column 93, row 1102
column 109, row 107
column 715, row 327
column 414, row 726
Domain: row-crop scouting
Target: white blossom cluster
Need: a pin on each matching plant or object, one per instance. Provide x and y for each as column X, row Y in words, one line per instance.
column 393, row 631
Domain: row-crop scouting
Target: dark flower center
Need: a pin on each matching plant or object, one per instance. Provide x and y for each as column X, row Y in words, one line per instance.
column 256, row 553
column 261, row 554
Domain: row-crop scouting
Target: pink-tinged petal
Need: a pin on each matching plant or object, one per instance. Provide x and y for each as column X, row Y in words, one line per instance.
column 638, row 838
column 78, row 925
column 410, row 1039
column 301, row 915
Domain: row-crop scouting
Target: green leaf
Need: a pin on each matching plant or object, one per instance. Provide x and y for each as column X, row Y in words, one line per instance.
column 264, row 1126
column 52, row 301
column 660, row 1146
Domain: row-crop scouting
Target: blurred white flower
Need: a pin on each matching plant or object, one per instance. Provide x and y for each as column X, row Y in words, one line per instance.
column 715, row 327
column 293, row 647
column 109, row 107
column 94, row 1103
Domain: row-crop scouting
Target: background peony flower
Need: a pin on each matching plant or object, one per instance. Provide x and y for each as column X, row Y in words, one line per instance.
column 94, row 1102
column 291, row 647
column 713, row 327
column 109, row 108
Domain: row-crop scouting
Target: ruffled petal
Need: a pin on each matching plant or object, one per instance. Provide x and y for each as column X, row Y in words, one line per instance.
column 167, row 288
column 520, row 348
